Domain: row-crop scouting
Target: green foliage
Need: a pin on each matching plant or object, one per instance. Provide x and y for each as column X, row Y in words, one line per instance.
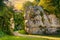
column 51, row 5
column 27, row 4
column 36, row 2
column 19, row 20
column 56, row 5
column 46, row 5
column 2, row 33
column 5, row 15
column 22, row 31
column 1, row 3
column 21, row 38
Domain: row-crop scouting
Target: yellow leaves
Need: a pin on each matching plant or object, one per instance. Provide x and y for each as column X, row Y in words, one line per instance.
column 18, row 6
column 41, row 2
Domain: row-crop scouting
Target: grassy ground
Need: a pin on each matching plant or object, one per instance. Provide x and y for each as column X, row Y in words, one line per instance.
column 55, row 35
column 22, row 32
column 20, row 38
column 28, row 37
column 4, row 36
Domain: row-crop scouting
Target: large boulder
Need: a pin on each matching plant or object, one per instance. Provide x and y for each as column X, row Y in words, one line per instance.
column 39, row 22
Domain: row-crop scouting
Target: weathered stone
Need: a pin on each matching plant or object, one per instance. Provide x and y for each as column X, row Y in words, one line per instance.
column 38, row 22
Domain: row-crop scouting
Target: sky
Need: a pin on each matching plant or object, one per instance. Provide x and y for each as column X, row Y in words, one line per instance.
column 18, row 3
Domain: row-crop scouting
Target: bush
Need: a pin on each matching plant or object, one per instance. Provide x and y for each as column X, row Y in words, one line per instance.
column 2, row 34
column 22, row 31
column 19, row 21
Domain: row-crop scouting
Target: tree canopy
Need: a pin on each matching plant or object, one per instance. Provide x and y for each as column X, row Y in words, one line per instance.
column 50, row 5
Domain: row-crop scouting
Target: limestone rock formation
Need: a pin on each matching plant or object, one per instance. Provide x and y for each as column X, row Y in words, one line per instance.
column 38, row 22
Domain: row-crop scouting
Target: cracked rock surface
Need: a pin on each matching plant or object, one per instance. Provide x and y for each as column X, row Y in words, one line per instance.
column 37, row 21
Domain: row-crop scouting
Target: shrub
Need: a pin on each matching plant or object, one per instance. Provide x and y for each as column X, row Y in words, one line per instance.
column 22, row 32
column 2, row 33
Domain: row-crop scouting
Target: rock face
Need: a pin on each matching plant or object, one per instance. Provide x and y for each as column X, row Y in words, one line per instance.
column 39, row 22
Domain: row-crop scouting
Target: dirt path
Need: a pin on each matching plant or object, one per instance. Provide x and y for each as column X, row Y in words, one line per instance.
column 47, row 37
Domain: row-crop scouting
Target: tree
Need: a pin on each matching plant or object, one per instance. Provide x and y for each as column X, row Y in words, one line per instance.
column 36, row 2
column 56, row 4
column 27, row 4
column 6, row 13
column 19, row 21
column 51, row 5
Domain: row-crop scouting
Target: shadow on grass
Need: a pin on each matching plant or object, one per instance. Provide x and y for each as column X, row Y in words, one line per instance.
column 51, row 35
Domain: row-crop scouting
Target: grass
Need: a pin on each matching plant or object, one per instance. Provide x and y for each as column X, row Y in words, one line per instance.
column 57, row 35
column 20, row 38
column 54, row 35
column 9, row 37
column 2, row 34
column 22, row 32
